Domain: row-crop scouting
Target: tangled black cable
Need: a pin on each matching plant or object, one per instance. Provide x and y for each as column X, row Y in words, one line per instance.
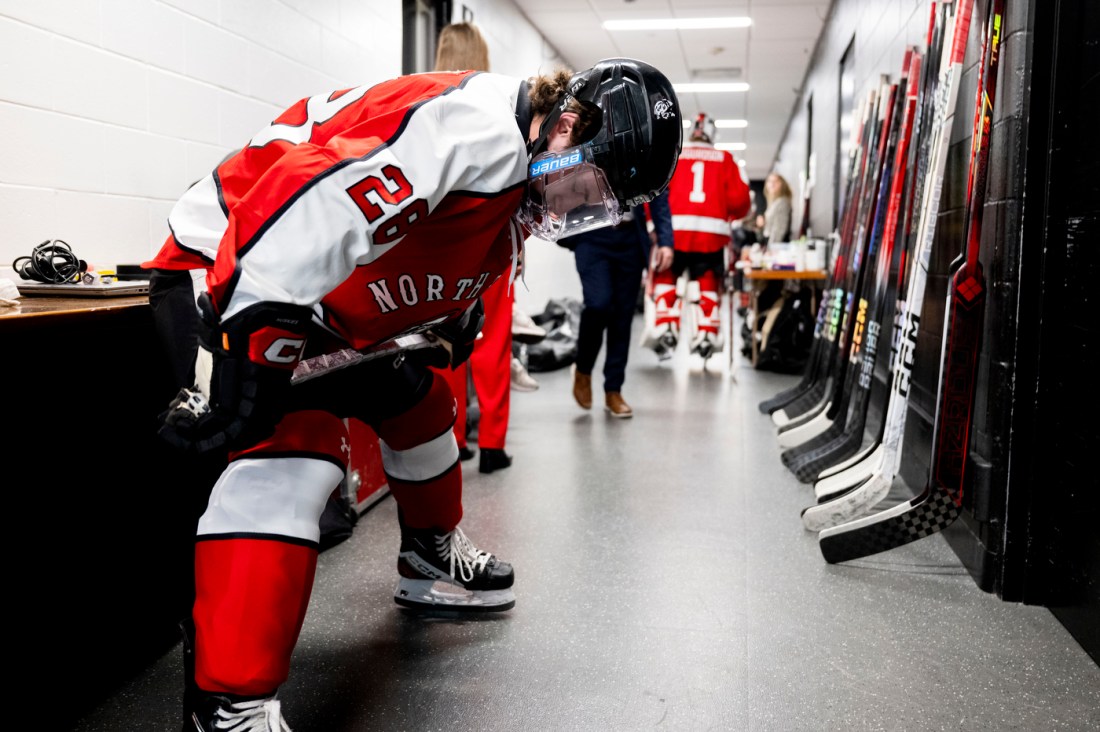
column 52, row 262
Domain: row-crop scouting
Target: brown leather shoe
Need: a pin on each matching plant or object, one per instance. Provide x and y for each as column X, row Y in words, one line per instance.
column 582, row 388
column 614, row 403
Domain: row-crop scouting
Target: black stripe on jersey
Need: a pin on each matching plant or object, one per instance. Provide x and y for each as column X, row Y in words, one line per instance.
column 186, row 248
column 281, row 538
column 221, row 194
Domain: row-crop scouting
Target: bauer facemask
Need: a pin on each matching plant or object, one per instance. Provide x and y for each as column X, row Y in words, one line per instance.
column 567, row 193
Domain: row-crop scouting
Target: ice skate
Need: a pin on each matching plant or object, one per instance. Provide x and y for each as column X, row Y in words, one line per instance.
column 703, row 346
column 445, row 571
column 223, row 713
column 666, row 345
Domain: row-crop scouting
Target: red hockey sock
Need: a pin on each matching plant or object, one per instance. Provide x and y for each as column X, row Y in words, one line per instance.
column 420, row 457
column 251, row 599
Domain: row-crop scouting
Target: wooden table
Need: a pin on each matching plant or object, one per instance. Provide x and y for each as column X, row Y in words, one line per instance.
column 40, row 311
column 761, row 277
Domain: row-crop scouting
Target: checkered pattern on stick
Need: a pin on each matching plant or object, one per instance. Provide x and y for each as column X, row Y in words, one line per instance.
column 926, row 515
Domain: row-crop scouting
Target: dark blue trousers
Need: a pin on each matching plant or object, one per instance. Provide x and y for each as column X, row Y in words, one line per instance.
column 610, row 264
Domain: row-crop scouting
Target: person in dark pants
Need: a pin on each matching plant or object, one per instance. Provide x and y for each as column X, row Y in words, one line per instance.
column 610, row 262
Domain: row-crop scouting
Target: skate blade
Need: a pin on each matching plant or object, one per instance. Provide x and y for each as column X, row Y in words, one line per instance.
column 435, row 595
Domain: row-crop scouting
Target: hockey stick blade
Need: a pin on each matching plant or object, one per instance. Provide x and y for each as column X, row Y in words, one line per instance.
column 852, row 475
column 905, row 523
column 840, row 508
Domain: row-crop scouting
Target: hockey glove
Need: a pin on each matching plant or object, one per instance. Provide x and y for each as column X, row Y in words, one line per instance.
column 242, row 377
column 457, row 337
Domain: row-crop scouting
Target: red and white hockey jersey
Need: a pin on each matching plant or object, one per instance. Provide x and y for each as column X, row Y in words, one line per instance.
column 706, row 195
column 386, row 209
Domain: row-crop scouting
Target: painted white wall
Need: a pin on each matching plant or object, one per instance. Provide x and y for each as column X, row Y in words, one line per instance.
column 110, row 109
column 881, row 31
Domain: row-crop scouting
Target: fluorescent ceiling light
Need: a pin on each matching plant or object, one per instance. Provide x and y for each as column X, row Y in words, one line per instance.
column 678, row 23
column 703, row 87
column 732, row 146
column 722, row 124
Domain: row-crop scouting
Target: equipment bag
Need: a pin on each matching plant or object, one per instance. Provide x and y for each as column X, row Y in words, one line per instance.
column 787, row 334
column 561, row 319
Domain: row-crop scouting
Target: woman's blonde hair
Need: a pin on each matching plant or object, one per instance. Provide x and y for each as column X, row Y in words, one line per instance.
column 784, row 188
column 461, row 47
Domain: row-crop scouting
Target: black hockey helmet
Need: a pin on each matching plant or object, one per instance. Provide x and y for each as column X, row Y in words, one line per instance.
column 638, row 132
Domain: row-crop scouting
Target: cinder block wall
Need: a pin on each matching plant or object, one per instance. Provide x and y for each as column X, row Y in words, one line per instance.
column 110, row 109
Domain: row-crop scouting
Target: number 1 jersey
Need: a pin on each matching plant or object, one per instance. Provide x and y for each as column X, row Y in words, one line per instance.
column 706, row 195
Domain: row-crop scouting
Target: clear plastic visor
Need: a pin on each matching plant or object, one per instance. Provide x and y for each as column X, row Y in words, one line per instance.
column 567, row 194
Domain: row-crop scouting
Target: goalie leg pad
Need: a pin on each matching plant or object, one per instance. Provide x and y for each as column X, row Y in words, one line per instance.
column 691, row 291
column 707, row 313
column 666, row 299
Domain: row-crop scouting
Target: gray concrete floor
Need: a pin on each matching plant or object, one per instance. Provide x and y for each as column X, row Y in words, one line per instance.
column 663, row 581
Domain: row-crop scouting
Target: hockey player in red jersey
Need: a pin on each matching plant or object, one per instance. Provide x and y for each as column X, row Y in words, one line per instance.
column 356, row 218
column 706, row 195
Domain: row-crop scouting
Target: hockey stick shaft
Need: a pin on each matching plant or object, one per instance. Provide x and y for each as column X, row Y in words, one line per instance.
column 921, row 228
column 966, row 297
column 867, row 241
column 939, row 503
column 885, row 443
column 836, row 296
column 872, row 306
column 915, row 164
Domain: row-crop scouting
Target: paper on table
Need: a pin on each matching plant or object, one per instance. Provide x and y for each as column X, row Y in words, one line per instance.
column 9, row 293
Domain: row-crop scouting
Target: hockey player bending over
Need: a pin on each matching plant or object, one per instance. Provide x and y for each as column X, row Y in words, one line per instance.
column 706, row 195
column 356, row 217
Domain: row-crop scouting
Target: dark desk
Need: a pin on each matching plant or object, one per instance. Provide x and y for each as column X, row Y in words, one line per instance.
column 758, row 278
column 100, row 512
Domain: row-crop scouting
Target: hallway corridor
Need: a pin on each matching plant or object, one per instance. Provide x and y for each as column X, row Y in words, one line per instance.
column 663, row 581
